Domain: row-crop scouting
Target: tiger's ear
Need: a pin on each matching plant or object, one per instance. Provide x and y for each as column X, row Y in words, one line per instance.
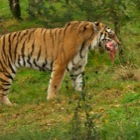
column 97, row 26
column 85, row 27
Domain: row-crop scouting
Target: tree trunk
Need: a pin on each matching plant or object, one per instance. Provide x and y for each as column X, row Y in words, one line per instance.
column 15, row 8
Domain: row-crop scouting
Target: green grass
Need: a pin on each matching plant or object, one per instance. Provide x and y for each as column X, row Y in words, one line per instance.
column 108, row 109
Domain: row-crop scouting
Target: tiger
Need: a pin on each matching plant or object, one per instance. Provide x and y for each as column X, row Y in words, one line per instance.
column 58, row 50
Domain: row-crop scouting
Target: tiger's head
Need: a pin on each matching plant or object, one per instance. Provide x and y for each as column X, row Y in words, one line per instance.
column 107, row 39
column 93, row 34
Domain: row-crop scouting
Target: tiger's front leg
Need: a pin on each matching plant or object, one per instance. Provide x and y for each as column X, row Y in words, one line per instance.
column 76, row 75
column 77, row 81
column 57, row 75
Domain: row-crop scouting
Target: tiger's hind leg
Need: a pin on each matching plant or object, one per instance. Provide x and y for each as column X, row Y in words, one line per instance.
column 5, row 83
column 57, row 75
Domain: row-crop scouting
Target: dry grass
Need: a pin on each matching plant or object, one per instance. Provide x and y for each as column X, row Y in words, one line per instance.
column 127, row 73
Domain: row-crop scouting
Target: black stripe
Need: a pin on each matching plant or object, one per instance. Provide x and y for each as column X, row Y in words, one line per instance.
column 89, row 47
column 3, row 58
column 51, row 65
column 44, row 67
column 68, row 69
column 101, row 35
column 6, row 84
column 65, row 28
column 42, row 30
column 74, row 76
column 28, row 61
column 52, row 40
column 46, row 61
column 3, row 45
column 36, row 64
column 23, row 35
column 3, row 67
column 44, row 36
column 56, row 34
column 9, row 41
column 30, row 55
column 91, row 35
column 8, row 76
column 15, row 34
column 5, row 89
column 18, row 35
column 2, row 80
column 16, row 47
column 83, row 27
column 59, row 37
column 101, row 40
column 51, row 35
column 19, row 60
column 22, row 53
column 81, row 50
column 39, row 53
column 9, row 64
column 15, row 53
column 30, row 34
column 33, row 46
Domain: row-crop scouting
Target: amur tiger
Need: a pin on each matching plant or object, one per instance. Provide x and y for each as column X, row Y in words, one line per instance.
column 58, row 50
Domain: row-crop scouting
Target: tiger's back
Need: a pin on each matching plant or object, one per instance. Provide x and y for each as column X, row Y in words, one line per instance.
column 28, row 48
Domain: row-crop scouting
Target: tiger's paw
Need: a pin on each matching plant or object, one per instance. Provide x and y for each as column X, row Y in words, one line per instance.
column 50, row 97
column 78, row 89
column 5, row 101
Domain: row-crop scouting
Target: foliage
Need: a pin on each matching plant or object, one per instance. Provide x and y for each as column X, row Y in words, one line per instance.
column 36, row 8
column 117, row 11
column 51, row 11
column 84, row 120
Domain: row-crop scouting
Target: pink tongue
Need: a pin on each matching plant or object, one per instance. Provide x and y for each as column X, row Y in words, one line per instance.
column 112, row 51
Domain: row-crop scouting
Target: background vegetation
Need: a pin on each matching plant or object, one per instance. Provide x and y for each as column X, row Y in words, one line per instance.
column 108, row 108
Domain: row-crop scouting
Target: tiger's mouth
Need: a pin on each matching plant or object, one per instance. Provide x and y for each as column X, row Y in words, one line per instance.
column 112, row 49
